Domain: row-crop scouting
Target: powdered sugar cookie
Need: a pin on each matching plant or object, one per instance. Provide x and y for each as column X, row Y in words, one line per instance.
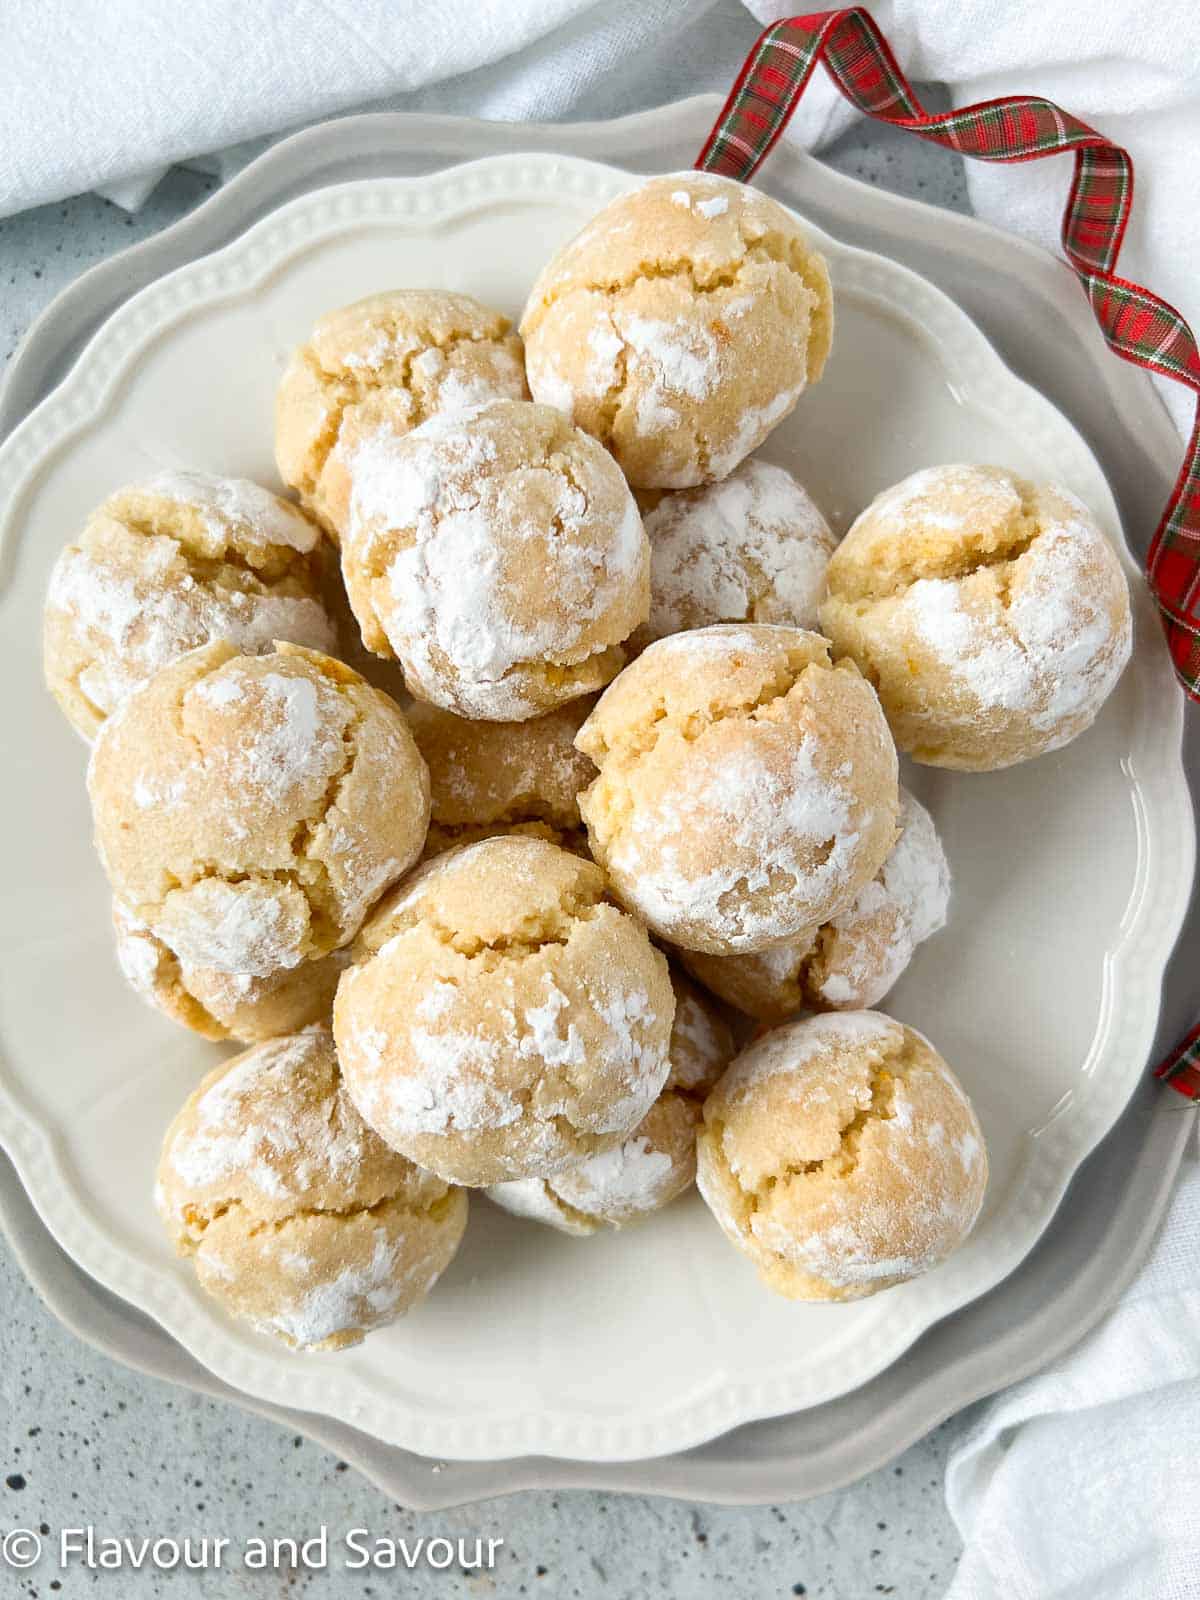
column 503, row 1020
column 753, row 548
column 389, row 361
column 171, row 564
column 251, row 809
column 224, row 1005
column 497, row 777
column 296, row 1217
column 842, row 1156
column 657, row 1162
column 747, row 786
column 499, row 556
column 991, row 614
column 680, row 326
column 860, row 953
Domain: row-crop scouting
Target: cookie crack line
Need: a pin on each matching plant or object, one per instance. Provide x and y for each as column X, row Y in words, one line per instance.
column 203, row 1221
column 302, row 838
column 841, row 1162
column 315, row 889
column 509, row 945
column 755, row 252
column 1005, row 555
column 691, row 727
column 365, row 382
column 279, row 561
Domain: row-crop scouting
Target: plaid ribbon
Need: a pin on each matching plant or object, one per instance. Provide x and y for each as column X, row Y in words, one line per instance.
column 1181, row 1069
column 1136, row 324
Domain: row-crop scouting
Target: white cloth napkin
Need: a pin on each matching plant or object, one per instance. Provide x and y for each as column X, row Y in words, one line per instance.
column 1080, row 1482
column 105, row 94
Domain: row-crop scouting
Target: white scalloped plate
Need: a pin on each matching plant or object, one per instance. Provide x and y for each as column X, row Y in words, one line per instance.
column 1071, row 872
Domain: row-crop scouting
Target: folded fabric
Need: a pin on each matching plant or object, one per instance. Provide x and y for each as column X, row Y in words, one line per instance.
column 1077, row 1484
column 106, row 94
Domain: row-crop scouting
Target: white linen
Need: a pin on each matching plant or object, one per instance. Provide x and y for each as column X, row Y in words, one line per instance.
column 106, row 94
column 1079, row 1484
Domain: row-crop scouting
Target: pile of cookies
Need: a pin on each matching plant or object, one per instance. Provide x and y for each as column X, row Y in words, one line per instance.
column 597, row 899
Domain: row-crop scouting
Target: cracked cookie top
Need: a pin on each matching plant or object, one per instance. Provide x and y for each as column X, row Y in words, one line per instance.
column 842, row 1156
column 390, row 361
column 499, row 555
column 251, row 809
column 502, row 1018
column 657, row 1162
column 166, row 566
column 991, row 614
column 747, row 786
column 295, row 1215
column 855, row 958
column 224, row 1005
column 680, row 326
column 752, row 548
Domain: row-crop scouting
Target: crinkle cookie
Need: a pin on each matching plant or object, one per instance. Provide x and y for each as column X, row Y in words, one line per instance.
column 861, row 952
column 657, row 1162
column 991, row 614
column 753, row 548
column 499, row 555
column 500, row 777
column 503, row 1020
column 747, row 786
column 680, row 326
column 251, row 809
column 389, row 361
column 165, row 566
column 224, row 1005
column 296, row 1217
column 842, row 1156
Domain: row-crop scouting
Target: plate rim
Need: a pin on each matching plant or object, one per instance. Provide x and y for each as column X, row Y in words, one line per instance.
column 967, row 325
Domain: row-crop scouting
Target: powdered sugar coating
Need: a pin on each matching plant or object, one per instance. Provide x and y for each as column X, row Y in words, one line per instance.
column 746, row 787
column 223, row 1005
column 503, row 1020
column 498, row 555
column 297, row 1217
column 250, row 809
column 657, row 1162
column 855, row 958
column 388, row 362
column 680, row 326
column 993, row 614
column 841, row 1154
column 166, row 566
column 752, row 548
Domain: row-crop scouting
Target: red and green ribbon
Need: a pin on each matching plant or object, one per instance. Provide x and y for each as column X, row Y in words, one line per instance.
column 1136, row 324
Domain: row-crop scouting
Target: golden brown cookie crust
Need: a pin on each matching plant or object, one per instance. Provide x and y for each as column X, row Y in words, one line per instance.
column 852, row 961
column 499, row 556
column 747, row 786
column 680, row 326
column 503, row 1019
column 251, row 809
column 392, row 360
column 991, row 614
column 657, row 1162
column 165, row 566
column 842, row 1156
column 296, row 1217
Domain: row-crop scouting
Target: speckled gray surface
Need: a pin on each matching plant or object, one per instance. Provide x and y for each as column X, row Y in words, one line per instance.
column 90, row 1443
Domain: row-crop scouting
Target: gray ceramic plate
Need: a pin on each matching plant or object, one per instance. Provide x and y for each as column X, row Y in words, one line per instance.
column 1009, row 289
